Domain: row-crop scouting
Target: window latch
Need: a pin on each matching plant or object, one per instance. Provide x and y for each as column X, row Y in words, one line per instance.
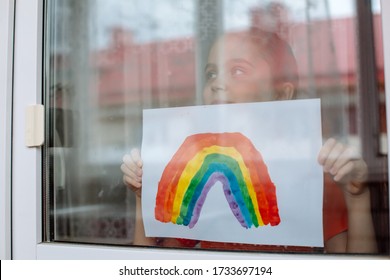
column 34, row 127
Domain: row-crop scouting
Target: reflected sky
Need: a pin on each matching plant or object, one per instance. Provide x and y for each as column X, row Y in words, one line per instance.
column 152, row 19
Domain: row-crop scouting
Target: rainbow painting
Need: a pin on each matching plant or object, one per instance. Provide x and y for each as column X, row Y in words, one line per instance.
column 207, row 158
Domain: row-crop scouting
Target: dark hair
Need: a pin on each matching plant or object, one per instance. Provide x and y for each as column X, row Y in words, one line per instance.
column 278, row 54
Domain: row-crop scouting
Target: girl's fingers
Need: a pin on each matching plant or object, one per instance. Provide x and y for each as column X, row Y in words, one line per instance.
column 132, row 170
column 344, row 163
column 344, row 172
column 130, row 173
column 330, row 153
column 325, row 150
column 345, row 157
column 136, row 157
column 132, row 165
column 131, row 182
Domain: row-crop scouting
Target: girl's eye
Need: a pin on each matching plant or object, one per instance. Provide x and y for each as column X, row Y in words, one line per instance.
column 211, row 75
column 237, row 72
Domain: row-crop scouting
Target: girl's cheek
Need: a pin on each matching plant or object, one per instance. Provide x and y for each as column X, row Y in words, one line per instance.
column 206, row 95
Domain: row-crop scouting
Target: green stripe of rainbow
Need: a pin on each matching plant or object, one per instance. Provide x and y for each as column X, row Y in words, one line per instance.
column 232, row 158
column 196, row 163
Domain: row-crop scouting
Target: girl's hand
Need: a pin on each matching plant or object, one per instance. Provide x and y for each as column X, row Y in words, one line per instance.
column 132, row 171
column 345, row 165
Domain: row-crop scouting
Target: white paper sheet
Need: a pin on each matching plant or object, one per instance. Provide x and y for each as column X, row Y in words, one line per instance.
column 288, row 136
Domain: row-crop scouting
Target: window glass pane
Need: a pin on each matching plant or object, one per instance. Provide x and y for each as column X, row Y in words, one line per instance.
column 377, row 27
column 108, row 61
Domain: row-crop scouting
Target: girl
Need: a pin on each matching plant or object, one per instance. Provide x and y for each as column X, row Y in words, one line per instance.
column 258, row 66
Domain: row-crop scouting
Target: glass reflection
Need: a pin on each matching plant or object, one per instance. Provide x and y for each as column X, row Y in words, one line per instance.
column 106, row 62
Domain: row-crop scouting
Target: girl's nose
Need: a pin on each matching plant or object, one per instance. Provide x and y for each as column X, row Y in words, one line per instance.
column 219, row 84
column 219, row 92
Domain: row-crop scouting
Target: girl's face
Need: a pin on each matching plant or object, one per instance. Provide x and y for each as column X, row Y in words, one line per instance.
column 236, row 73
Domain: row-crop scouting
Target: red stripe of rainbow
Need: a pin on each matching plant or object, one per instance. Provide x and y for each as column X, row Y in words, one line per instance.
column 181, row 169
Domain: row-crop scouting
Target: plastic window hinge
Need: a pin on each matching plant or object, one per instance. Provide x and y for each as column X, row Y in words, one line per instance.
column 34, row 129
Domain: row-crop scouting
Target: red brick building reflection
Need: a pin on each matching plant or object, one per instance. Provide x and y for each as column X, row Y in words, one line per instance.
column 163, row 73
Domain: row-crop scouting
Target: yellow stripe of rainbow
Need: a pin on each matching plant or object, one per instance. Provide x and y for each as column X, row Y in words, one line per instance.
column 194, row 165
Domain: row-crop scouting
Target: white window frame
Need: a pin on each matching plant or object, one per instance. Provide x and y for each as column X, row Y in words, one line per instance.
column 6, row 71
column 27, row 168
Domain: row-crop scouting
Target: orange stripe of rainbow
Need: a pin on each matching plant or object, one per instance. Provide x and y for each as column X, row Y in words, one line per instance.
column 186, row 162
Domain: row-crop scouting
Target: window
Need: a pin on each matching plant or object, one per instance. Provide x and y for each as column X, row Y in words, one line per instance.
column 104, row 63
